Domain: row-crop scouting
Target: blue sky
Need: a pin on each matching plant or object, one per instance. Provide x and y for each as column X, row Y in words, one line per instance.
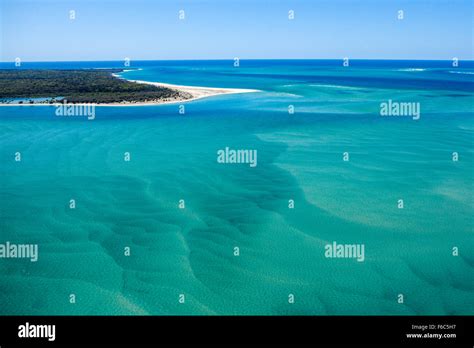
column 40, row 30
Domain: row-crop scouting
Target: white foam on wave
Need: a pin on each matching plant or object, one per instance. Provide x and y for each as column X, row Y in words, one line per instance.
column 335, row 86
column 461, row 72
column 412, row 69
column 119, row 75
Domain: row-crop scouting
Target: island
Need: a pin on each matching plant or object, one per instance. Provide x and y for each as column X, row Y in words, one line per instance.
column 97, row 86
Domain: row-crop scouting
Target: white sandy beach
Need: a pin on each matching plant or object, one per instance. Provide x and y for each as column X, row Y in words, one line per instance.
column 196, row 92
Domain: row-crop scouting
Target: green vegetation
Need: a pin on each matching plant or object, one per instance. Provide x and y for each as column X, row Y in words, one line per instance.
column 80, row 86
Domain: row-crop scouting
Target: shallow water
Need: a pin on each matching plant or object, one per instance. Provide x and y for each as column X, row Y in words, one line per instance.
column 300, row 157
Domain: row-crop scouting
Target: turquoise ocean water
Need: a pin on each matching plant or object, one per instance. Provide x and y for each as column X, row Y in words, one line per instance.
column 190, row 251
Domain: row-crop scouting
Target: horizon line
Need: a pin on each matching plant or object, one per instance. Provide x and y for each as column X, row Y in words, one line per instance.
column 240, row 59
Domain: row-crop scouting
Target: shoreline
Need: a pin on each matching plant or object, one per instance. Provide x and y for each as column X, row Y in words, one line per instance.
column 196, row 92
